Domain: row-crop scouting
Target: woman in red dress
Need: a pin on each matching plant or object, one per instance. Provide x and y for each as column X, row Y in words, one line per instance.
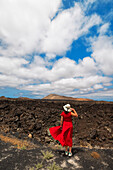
column 63, row 133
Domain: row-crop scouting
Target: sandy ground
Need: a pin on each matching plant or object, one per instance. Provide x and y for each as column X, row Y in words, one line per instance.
column 12, row 158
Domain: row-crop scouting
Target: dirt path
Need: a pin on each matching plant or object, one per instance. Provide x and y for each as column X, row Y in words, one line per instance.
column 12, row 158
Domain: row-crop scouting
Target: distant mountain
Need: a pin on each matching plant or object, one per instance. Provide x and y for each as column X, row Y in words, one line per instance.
column 3, row 97
column 55, row 96
column 24, row 98
column 19, row 98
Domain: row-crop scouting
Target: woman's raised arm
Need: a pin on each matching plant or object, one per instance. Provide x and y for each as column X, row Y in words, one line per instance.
column 74, row 113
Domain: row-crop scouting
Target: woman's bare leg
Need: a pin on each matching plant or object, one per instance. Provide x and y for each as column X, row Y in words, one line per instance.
column 70, row 148
column 66, row 147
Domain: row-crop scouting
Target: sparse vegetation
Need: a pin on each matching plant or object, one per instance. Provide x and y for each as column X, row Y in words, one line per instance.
column 39, row 165
column 48, row 132
column 47, row 155
column 32, row 168
column 23, row 147
column 54, row 167
column 59, row 146
column 20, row 144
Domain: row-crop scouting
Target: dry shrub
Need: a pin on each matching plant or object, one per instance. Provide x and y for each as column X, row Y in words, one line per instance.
column 95, row 155
column 20, row 144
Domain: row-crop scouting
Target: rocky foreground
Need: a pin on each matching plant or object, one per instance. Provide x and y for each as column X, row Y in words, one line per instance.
column 46, row 158
column 93, row 127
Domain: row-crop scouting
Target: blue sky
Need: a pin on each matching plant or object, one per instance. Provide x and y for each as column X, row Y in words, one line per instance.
column 56, row 46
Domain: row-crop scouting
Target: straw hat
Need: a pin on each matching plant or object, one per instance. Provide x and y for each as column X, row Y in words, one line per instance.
column 67, row 108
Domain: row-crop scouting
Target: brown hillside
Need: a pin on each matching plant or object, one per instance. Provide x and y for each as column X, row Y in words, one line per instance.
column 55, row 96
column 24, row 98
column 3, row 97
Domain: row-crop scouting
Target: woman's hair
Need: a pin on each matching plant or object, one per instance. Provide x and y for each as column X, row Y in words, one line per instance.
column 66, row 112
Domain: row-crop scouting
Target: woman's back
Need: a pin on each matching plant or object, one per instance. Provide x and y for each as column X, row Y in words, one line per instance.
column 66, row 116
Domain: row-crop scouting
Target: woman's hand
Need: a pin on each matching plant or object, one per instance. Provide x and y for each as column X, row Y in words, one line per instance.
column 72, row 109
column 74, row 113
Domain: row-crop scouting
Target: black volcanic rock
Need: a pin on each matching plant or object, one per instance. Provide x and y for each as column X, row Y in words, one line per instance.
column 93, row 125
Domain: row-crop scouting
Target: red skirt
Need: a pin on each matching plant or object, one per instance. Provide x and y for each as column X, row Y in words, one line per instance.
column 64, row 135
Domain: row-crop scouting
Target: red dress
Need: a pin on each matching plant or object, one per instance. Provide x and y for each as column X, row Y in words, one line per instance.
column 64, row 136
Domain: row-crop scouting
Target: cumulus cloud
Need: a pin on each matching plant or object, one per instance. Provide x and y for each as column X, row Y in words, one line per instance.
column 98, row 86
column 27, row 26
column 23, row 24
column 32, row 29
column 68, row 68
column 9, row 66
column 68, row 26
column 12, row 81
column 69, row 85
column 37, row 70
column 102, row 48
column 105, row 93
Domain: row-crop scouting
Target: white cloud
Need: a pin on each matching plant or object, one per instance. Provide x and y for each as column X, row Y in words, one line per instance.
column 86, row 67
column 10, row 65
column 27, row 26
column 65, row 77
column 38, row 70
column 21, row 68
column 87, row 4
column 23, row 24
column 64, row 86
column 107, row 84
column 102, row 48
column 107, row 93
column 98, row 86
column 104, row 28
column 12, row 81
column 68, row 26
column 67, row 68
column 32, row 26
